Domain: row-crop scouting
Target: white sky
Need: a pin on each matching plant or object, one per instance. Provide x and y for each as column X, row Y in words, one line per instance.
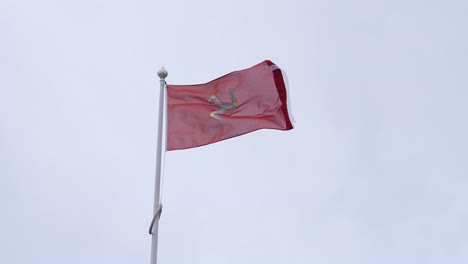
column 375, row 170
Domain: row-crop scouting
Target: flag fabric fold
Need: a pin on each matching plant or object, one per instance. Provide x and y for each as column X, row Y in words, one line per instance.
column 232, row 105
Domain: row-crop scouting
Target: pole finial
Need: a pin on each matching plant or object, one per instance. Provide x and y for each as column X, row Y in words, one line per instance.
column 162, row 73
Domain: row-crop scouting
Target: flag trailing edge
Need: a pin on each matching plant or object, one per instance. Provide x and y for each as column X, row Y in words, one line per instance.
column 237, row 103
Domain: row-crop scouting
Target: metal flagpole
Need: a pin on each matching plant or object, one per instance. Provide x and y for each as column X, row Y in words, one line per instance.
column 157, row 185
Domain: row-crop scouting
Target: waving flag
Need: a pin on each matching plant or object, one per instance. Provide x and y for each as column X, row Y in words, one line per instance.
column 229, row 106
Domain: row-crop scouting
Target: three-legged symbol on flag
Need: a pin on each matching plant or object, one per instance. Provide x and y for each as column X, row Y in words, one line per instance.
column 223, row 107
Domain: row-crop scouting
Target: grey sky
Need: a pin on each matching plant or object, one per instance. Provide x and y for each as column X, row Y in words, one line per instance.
column 375, row 170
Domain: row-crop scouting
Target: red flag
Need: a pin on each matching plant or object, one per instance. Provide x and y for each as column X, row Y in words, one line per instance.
column 232, row 105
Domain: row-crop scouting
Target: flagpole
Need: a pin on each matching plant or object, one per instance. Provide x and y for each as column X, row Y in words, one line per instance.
column 157, row 185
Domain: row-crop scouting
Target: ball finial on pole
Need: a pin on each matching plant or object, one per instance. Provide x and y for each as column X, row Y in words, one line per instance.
column 162, row 73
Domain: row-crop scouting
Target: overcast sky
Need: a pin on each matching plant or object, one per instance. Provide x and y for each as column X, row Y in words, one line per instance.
column 375, row 170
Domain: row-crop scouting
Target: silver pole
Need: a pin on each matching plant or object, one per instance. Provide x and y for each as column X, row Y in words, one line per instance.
column 157, row 185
